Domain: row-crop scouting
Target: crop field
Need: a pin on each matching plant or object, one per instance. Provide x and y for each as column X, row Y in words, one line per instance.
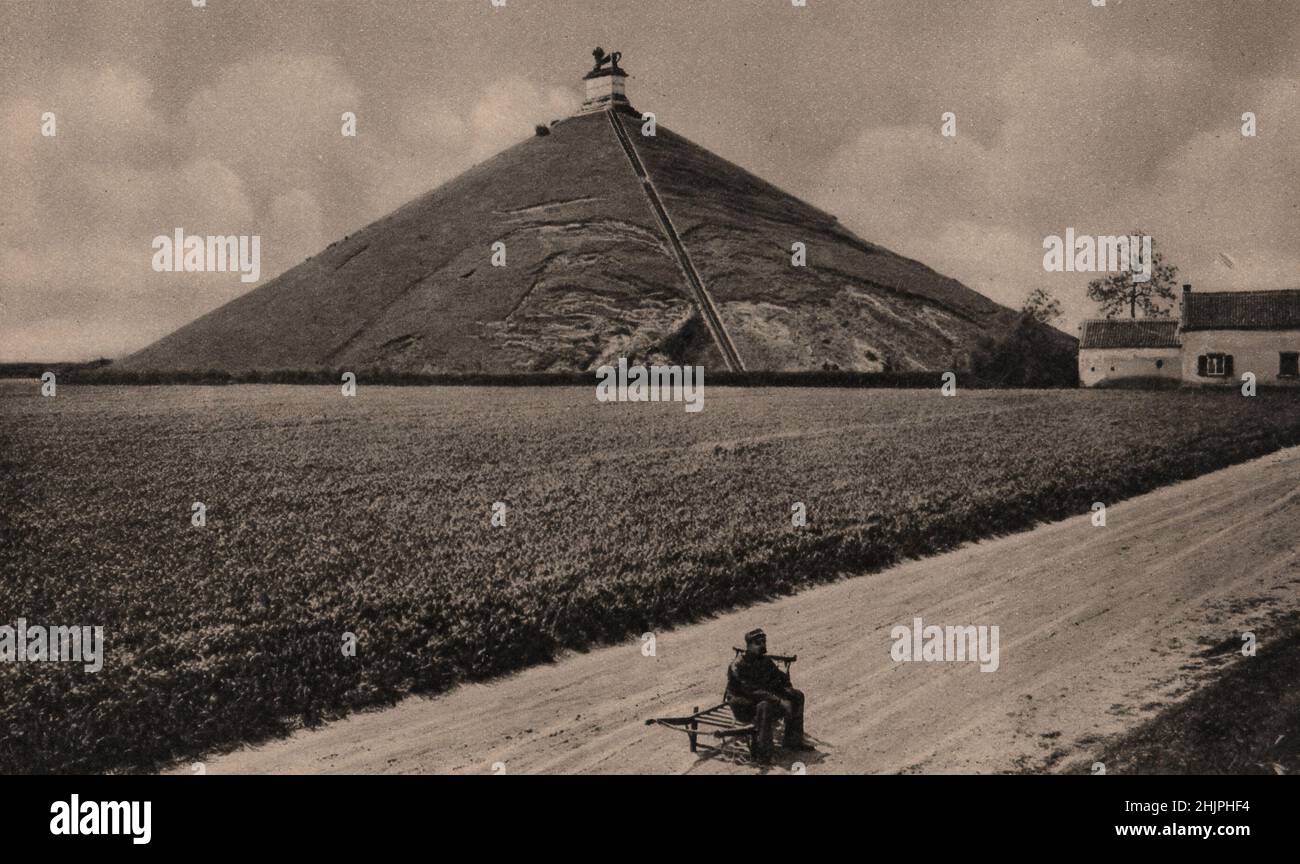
column 372, row 516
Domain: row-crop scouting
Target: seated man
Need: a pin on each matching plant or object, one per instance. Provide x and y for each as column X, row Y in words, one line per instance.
column 758, row 692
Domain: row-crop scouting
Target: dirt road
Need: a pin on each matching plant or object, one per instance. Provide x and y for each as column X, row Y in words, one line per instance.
column 1098, row 626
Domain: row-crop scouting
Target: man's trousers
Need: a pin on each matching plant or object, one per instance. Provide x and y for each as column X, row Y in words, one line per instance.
column 763, row 713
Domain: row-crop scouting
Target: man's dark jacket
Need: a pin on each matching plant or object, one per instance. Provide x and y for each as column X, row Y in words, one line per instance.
column 755, row 677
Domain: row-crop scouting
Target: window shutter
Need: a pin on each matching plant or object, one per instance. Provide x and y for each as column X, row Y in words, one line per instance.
column 1227, row 365
column 1200, row 365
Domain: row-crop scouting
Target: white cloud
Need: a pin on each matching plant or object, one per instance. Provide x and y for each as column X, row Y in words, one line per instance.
column 276, row 118
column 508, row 110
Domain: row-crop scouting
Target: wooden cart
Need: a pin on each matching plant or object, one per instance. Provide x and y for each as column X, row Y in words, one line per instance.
column 718, row 722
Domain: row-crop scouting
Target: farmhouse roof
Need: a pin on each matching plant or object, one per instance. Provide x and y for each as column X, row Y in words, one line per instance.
column 1241, row 310
column 1129, row 333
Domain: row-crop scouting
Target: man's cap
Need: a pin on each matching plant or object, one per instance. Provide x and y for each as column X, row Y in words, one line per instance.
column 754, row 635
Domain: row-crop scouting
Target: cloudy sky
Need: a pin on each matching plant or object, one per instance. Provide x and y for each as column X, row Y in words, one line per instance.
column 226, row 120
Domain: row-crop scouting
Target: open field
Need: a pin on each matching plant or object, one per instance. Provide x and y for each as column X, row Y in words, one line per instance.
column 371, row 515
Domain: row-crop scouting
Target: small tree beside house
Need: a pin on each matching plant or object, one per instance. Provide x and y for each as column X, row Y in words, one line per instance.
column 1119, row 292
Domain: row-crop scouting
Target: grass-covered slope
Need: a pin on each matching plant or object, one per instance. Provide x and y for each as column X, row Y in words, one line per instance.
column 587, row 277
column 855, row 305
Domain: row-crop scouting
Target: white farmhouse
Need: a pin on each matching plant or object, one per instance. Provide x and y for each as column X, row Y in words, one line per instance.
column 1123, row 349
column 1226, row 334
column 1218, row 337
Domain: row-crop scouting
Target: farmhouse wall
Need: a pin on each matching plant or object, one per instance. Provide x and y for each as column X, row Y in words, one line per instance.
column 1251, row 350
column 1098, row 365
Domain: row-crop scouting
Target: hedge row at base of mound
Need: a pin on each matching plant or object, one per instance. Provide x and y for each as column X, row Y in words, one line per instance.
column 392, row 377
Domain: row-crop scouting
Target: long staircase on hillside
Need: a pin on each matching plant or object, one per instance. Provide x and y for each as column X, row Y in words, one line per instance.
column 702, row 299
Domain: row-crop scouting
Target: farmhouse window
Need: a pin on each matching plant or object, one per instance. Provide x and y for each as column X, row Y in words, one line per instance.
column 1214, row 365
column 1288, row 364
